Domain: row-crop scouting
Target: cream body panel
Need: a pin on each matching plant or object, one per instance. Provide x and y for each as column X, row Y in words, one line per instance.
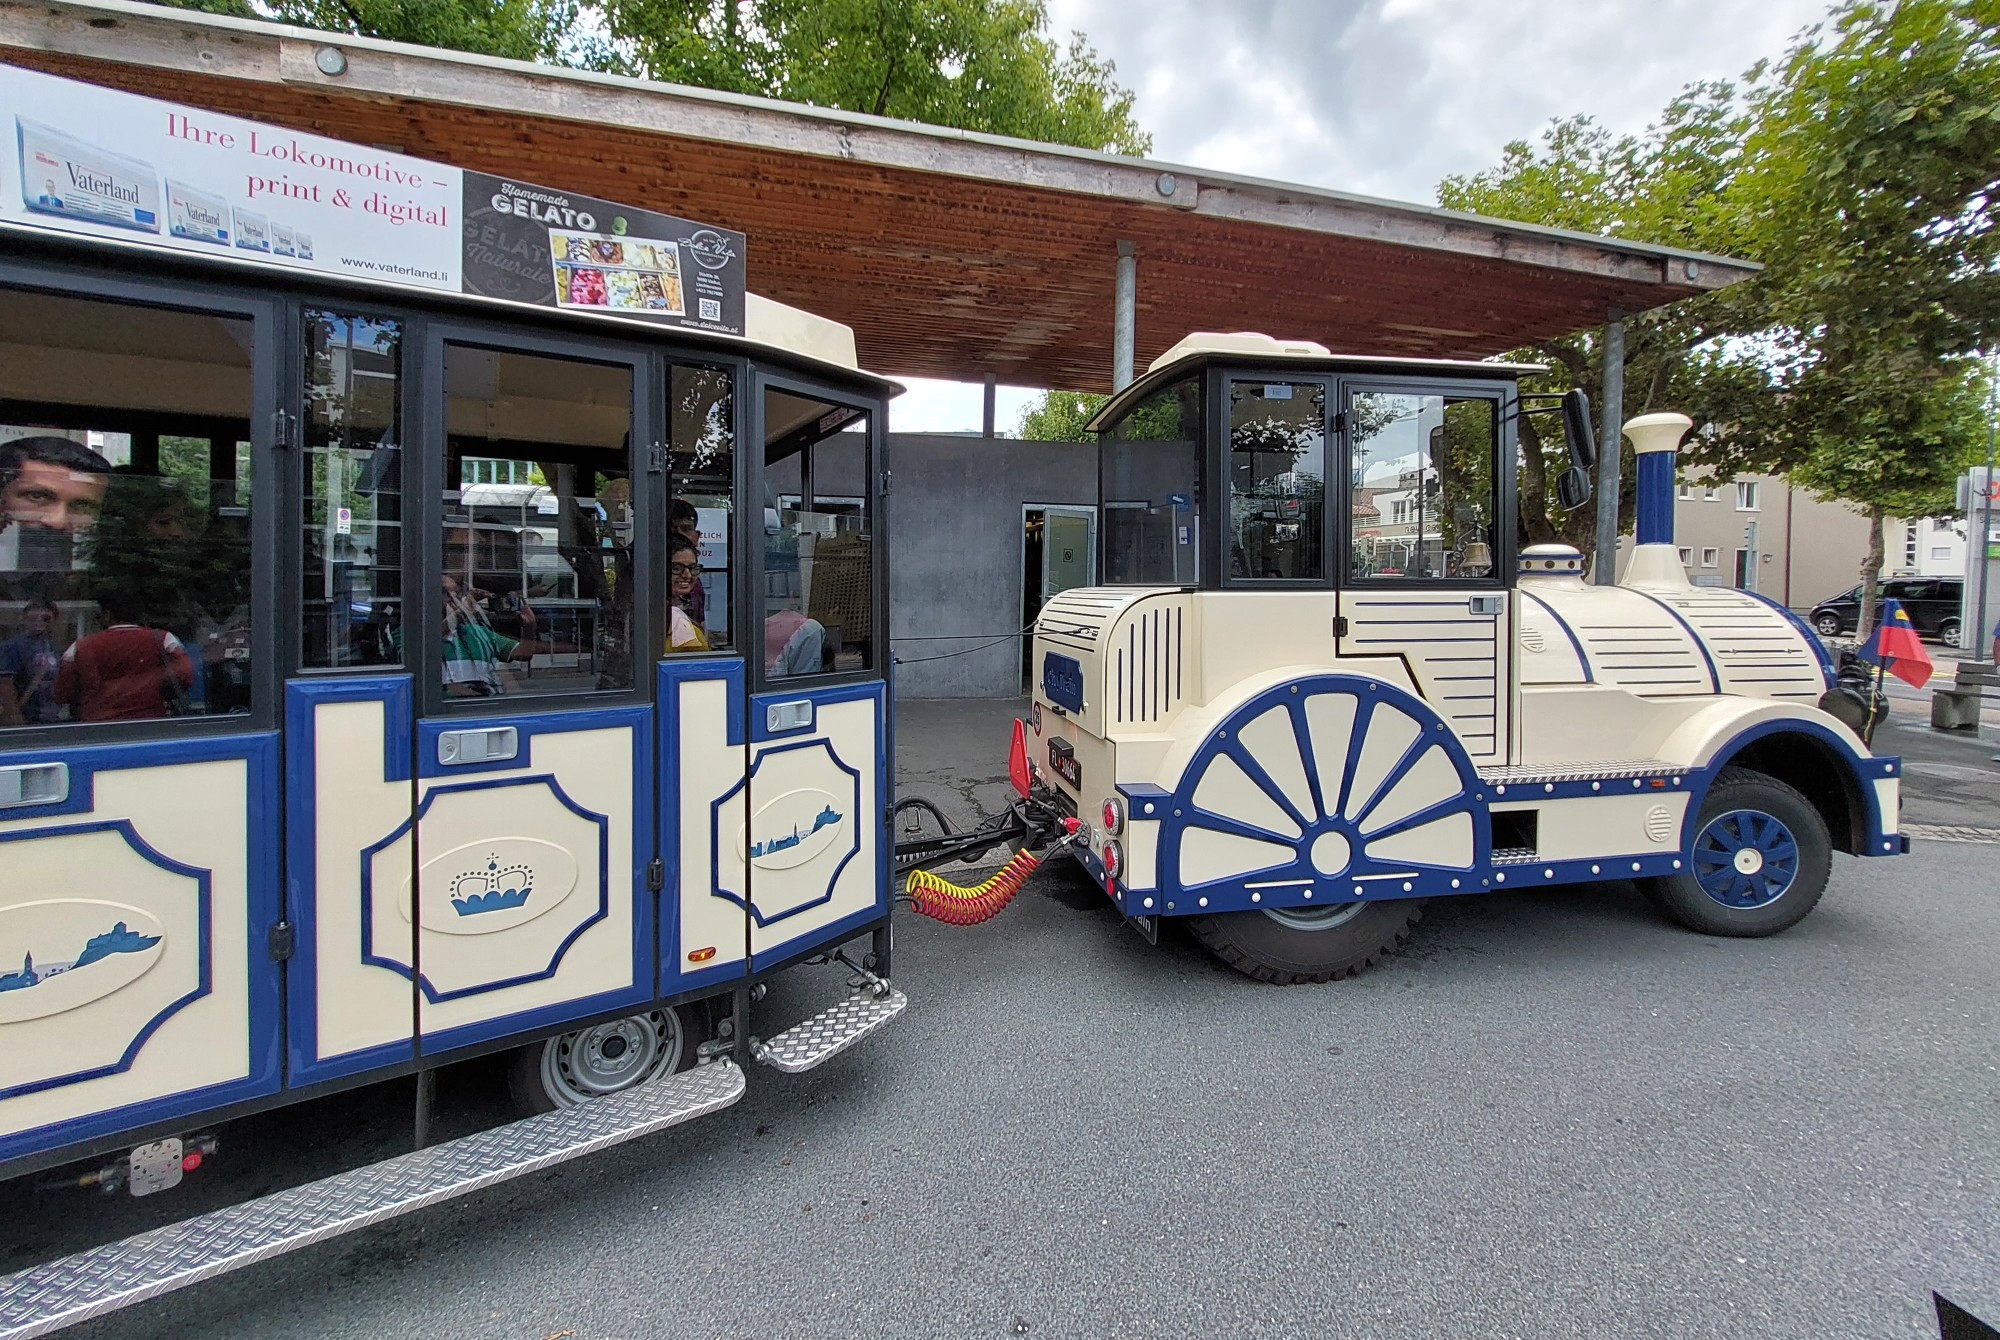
column 357, row 1004
column 1596, row 723
column 1889, row 795
column 1246, row 633
column 594, row 769
column 190, row 813
column 1640, row 823
column 1458, row 658
column 850, row 728
column 709, row 768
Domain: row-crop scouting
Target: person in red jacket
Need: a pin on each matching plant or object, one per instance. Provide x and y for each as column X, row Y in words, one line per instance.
column 127, row 672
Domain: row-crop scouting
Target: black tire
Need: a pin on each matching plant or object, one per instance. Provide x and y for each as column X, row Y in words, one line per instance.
column 1761, row 899
column 1829, row 625
column 1948, row 633
column 572, row 1068
column 1283, row 947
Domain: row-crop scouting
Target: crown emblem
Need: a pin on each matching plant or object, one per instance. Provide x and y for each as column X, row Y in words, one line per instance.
column 491, row 889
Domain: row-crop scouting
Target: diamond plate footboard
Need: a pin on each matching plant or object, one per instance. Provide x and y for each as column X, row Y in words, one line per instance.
column 61, row 1293
column 830, row 1032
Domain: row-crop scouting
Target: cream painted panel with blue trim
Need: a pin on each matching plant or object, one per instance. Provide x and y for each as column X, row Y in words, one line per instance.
column 813, row 841
column 358, row 1005
column 526, row 893
column 1457, row 655
column 703, row 828
column 125, row 945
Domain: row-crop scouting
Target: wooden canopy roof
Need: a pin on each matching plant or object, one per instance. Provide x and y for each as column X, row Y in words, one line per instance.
column 951, row 254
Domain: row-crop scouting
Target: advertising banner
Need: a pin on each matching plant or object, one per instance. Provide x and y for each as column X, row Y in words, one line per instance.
column 98, row 162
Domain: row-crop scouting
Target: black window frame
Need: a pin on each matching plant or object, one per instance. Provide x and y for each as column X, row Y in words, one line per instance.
column 269, row 321
column 1203, row 380
column 751, row 550
column 1215, row 465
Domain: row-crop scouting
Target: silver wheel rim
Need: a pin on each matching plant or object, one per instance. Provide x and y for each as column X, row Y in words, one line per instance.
column 1315, row 918
column 1949, row 635
column 605, row 1058
column 1829, row 627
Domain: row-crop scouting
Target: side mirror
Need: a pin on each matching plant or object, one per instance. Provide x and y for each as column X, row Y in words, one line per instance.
column 1577, row 432
column 1572, row 488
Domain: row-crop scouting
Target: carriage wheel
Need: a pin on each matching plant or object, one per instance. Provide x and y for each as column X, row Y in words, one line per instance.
column 1318, row 800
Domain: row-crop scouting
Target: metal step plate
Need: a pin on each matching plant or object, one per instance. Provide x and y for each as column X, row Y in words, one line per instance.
column 49, row 1297
column 1584, row 770
column 830, row 1032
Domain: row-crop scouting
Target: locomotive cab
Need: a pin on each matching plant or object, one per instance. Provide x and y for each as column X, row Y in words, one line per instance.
column 1325, row 679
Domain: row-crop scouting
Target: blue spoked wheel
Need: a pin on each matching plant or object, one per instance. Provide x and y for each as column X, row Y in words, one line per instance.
column 1758, row 863
column 1745, row 858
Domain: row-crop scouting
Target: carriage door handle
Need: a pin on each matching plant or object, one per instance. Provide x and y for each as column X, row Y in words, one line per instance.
column 1489, row 604
column 487, row 745
column 34, row 784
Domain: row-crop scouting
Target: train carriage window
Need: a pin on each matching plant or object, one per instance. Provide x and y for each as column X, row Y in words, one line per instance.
column 1422, row 489
column 819, row 540
column 1277, row 479
column 539, row 581
column 701, row 408
column 1150, row 480
column 353, row 520
column 125, row 544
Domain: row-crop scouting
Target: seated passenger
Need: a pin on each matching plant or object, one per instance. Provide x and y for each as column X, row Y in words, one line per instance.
column 473, row 652
column 793, row 644
column 28, row 662
column 127, row 672
column 683, row 632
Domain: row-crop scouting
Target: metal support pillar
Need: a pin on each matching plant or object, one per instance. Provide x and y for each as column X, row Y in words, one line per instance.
column 1604, row 571
column 987, row 431
column 1123, row 316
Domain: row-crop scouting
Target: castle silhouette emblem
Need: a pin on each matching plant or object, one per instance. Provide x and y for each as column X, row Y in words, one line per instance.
column 829, row 815
column 118, row 940
column 492, row 889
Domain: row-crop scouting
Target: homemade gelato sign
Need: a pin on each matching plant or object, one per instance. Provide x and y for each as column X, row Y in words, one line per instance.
column 98, row 162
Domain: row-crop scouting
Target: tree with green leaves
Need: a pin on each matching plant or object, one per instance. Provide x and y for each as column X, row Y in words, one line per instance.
column 1059, row 416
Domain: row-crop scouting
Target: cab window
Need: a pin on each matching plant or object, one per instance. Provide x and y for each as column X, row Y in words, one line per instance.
column 1277, row 480
column 701, row 517
column 1149, row 466
column 1423, row 489
column 125, row 543
column 818, row 612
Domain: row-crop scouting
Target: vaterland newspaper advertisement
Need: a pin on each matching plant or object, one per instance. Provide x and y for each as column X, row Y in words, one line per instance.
column 102, row 163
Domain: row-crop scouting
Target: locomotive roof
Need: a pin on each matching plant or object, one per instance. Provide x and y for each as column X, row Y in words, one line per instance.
column 1206, row 347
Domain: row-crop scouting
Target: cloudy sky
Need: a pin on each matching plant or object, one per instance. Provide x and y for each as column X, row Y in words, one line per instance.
column 1385, row 97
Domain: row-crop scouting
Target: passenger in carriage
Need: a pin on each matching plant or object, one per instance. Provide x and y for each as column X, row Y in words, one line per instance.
column 473, row 652
column 28, row 662
column 685, row 523
column 793, row 645
column 684, row 632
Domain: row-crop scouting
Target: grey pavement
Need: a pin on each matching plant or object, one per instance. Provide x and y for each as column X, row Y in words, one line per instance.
column 1553, row 1115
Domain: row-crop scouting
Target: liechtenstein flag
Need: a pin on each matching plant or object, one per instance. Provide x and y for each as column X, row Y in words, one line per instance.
column 1894, row 646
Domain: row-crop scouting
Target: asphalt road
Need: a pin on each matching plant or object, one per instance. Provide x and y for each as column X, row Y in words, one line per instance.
column 1553, row 1115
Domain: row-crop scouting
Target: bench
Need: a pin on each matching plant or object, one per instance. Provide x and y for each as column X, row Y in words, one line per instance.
column 1958, row 707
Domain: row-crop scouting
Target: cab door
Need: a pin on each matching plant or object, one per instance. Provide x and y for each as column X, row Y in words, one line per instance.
column 811, row 834
column 139, row 760
column 524, row 870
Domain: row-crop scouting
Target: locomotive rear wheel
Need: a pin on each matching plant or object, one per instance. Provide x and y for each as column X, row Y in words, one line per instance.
column 606, row 1058
column 1293, row 945
column 1760, row 860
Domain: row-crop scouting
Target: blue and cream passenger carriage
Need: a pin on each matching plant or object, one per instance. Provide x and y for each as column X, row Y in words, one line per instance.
column 399, row 670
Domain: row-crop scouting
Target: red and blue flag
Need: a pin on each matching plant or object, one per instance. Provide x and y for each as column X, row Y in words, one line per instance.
column 1894, row 646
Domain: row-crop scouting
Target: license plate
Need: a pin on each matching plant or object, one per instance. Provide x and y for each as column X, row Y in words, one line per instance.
column 1062, row 759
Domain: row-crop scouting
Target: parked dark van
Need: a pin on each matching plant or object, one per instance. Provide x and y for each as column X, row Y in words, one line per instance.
column 1932, row 604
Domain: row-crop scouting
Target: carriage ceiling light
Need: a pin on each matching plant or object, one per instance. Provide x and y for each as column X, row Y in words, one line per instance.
column 330, row 60
column 1114, row 817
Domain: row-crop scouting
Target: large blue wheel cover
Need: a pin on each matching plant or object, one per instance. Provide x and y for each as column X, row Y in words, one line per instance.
column 1745, row 859
column 1414, row 826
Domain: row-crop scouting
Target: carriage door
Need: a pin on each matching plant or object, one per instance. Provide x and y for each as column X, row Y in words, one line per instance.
column 1423, row 581
column 139, row 834
column 533, row 616
column 812, row 833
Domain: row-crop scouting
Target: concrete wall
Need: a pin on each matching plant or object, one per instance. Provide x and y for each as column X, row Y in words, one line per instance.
column 1807, row 549
column 955, row 560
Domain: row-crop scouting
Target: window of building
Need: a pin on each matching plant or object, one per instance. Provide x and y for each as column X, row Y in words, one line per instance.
column 819, row 554
column 352, row 535
column 1686, row 491
column 1711, row 557
column 1940, row 553
column 540, row 573
column 1708, row 493
column 1149, row 466
column 701, row 446
column 1746, row 495
column 1687, row 558
column 125, row 540
column 1746, row 573
column 1431, row 457
column 1910, row 547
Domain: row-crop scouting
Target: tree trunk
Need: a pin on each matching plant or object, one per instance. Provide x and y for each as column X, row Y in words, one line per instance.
column 1871, row 575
